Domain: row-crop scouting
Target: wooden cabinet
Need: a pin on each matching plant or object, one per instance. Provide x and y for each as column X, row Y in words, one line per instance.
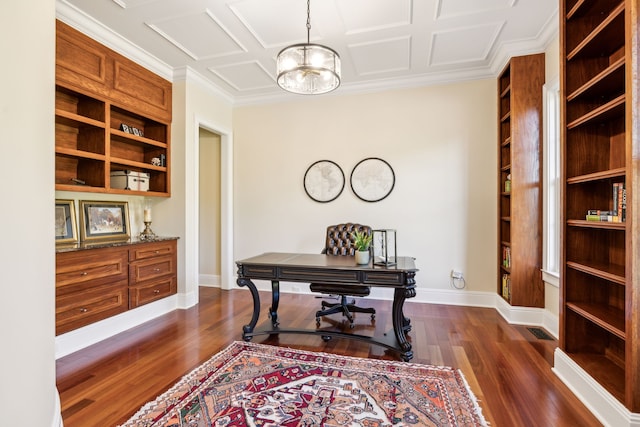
column 94, row 284
column 91, row 285
column 519, row 181
column 152, row 272
column 599, row 315
column 112, row 115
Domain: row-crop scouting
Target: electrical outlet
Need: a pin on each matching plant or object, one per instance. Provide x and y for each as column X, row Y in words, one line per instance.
column 456, row 274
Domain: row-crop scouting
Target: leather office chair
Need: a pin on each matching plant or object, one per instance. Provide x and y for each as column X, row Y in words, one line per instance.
column 340, row 243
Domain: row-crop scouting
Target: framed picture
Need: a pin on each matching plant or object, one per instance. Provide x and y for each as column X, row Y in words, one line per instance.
column 324, row 181
column 372, row 179
column 104, row 221
column 66, row 230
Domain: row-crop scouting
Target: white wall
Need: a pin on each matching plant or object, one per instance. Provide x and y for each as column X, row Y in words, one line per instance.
column 194, row 106
column 27, row 387
column 440, row 142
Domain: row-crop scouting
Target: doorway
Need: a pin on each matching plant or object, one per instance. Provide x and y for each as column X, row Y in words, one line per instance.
column 209, row 209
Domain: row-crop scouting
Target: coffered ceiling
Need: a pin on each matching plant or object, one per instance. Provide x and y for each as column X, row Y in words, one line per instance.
column 383, row 44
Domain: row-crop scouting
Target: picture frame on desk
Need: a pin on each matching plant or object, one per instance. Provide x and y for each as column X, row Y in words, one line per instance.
column 104, row 221
column 65, row 223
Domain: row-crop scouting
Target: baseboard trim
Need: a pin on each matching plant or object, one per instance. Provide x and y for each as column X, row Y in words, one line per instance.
column 599, row 401
column 519, row 315
column 514, row 315
column 57, row 411
column 209, row 280
column 78, row 339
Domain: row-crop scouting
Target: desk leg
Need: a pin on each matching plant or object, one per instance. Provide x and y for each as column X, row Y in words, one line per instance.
column 248, row 329
column 275, row 300
column 400, row 322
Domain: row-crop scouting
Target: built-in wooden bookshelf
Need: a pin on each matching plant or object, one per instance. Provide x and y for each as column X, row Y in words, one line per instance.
column 519, row 181
column 111, row 115
column 600, row 313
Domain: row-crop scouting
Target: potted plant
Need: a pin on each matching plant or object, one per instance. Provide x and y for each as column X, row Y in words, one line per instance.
column 361, row 241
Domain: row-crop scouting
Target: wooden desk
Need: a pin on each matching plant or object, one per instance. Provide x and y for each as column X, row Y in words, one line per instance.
column 316, row 268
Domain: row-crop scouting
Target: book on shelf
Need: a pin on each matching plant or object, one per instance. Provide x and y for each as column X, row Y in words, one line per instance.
column 506, row 286
column 506, row 256
column 618, row 204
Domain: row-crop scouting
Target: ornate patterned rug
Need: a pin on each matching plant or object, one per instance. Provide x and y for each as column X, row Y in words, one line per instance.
column 250, row 384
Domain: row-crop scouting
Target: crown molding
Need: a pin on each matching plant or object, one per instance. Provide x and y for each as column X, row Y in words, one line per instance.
column 93, row 28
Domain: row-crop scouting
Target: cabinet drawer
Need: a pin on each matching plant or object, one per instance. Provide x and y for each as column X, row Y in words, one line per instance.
column 82, row 308
column 151, row 291
column 150, row 250
column 150, row 269
column 97, row 267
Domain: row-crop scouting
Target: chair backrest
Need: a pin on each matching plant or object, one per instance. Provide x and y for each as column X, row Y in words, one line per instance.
column 339, row 240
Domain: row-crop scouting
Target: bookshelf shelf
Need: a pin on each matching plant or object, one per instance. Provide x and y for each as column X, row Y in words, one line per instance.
column 519, row 182
column 599, row 322
column 90, row 119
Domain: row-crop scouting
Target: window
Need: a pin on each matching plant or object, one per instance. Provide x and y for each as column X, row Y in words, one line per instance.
column 551, row 182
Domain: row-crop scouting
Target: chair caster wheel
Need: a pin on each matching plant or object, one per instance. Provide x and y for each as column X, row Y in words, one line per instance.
column 326, row 338
column 373, row 317
column 317, row 322
column 351, row 326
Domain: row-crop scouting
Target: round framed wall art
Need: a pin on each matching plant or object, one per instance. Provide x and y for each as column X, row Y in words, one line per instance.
column 372, row 179
column 324, row 181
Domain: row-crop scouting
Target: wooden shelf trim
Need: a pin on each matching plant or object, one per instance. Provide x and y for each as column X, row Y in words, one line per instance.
column 506, row 168
column 576, row 7
column 506, row 91
column 596, row 313
column 598, row 272
column 70, row 152
column 612, row 72
column 507, row 141
column 138, row 165
column 506, row 117
column 618, row 12
column 138, row 139
column 621, row 226
column 604, row 112
column 597, row 176
column 79, row 119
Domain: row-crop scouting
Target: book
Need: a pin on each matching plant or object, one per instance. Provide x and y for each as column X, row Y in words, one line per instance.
column 603, row 218
column 506, row 257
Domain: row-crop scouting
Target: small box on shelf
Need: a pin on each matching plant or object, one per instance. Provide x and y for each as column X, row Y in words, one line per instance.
column 130, row 180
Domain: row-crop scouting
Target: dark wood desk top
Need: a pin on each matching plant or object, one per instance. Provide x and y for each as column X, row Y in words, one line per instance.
column 323, row 261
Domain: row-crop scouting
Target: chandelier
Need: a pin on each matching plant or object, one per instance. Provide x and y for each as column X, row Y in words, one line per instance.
column 308, row 69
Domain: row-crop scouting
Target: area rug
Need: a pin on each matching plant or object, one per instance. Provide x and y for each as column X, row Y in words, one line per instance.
column 250, row 384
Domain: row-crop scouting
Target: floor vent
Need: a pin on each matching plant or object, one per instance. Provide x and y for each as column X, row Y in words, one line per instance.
column 540, row 334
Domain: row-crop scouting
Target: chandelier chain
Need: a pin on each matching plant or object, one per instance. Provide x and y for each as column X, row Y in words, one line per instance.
column 308, row 20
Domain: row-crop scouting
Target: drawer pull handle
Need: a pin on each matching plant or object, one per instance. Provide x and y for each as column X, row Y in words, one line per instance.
column 157, row 251
column 157, row 270
column 84, row 310
column 156, row 291
column 84, row 273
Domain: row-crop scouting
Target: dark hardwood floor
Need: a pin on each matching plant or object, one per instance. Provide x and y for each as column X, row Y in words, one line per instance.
column 507, row 367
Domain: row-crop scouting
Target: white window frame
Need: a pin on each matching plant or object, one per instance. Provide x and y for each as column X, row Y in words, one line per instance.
column 551, row 183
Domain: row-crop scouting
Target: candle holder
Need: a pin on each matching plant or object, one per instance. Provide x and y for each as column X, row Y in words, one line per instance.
column 147, row 234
